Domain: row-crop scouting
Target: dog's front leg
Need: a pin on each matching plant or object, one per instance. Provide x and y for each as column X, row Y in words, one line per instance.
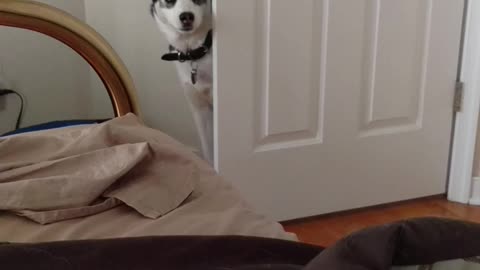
column 200, row 106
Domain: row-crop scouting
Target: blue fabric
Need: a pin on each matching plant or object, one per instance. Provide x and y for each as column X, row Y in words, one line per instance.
column 53, row 125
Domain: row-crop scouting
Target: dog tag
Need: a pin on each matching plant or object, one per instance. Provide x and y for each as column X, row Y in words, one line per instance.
column 194, row 76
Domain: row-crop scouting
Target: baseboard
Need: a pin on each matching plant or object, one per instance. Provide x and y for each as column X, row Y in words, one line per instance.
column 475, row 199
column 359, row 210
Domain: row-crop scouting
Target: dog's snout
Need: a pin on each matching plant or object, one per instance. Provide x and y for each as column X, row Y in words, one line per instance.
column 187, row 18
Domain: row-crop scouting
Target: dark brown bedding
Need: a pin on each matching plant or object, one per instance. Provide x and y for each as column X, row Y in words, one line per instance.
column 413, row 242
column 171, row 252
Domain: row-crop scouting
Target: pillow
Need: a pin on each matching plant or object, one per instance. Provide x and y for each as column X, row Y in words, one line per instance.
column 53, row 125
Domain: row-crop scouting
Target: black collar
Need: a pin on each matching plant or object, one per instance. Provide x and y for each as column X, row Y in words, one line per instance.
column 190, row 55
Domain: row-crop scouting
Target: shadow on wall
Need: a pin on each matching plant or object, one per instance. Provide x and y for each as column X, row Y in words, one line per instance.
column 132, row 32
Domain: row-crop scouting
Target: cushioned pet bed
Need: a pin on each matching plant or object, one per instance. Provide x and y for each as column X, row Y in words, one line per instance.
column 422, row 244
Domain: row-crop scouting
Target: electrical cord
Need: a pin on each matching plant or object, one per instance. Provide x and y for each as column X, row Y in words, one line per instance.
column 5, row 92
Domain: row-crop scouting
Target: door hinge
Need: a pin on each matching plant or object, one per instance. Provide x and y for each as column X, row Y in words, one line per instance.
column 458, row 100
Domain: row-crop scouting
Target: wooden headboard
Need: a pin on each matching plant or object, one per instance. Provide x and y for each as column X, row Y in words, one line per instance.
column 81, row 38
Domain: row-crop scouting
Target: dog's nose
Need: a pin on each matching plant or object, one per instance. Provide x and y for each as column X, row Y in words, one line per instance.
column 187, row 18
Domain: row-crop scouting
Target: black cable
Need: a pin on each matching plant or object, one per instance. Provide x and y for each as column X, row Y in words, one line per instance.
column 4, row 92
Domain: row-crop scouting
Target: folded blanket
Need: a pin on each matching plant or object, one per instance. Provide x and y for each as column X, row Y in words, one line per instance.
column 68, row 173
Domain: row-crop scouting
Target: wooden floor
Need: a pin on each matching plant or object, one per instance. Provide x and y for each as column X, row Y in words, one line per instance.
column 327, row 230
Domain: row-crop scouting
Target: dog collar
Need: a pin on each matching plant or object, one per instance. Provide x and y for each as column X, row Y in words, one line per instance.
column 190, row 55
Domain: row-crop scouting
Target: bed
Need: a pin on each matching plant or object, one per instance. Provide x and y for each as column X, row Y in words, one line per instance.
column 211, row 207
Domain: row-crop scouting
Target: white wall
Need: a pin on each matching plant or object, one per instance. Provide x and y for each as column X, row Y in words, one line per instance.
column 55, row 81
column 130, row 29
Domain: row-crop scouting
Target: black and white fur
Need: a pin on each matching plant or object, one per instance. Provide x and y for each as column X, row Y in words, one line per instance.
column 185, row 35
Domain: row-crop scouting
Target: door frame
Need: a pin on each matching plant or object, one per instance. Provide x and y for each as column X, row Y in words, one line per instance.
column 462, row 186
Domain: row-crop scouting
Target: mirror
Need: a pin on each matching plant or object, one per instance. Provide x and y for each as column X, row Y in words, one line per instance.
column 55, row 82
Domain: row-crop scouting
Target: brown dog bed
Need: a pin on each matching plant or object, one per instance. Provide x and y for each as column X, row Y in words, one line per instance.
column 408, row 243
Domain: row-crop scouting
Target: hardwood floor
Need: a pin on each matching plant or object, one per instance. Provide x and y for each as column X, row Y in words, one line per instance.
column 328, row 229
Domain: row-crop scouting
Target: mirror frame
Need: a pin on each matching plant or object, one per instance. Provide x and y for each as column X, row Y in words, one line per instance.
column 81, row 38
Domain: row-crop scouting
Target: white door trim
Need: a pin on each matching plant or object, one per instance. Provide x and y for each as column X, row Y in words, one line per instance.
column 466, row 121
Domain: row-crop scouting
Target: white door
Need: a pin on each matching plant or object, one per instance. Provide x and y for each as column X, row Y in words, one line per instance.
column 328, row 105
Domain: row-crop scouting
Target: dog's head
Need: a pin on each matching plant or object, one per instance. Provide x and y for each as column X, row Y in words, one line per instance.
column 184, row 16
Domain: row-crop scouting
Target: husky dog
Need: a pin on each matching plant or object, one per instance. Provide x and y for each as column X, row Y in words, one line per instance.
column 187, row 25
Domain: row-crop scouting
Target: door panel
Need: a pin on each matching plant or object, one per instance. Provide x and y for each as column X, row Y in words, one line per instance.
column 396, row 51
column 288, row 103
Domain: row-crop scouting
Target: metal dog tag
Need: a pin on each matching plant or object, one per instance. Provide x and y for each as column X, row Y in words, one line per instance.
column 194, row 73
column 194, row 76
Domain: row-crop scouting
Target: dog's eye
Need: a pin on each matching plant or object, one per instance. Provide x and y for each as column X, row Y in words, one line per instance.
column 170, row 2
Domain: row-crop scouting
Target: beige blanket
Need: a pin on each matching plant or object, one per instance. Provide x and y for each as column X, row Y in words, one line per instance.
column 68, row 173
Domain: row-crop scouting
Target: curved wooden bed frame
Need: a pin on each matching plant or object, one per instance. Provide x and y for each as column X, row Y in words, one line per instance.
column 80, row 37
